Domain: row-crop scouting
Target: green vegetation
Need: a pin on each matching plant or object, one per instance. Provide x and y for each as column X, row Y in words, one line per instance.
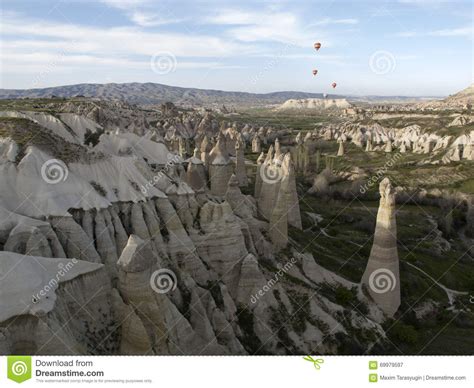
column 403, row 333
column 344, row 296
column 268, row 117
column 92, row 138
column 27, row 133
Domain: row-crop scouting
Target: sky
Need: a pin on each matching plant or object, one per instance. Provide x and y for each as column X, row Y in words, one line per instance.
column 373, row 47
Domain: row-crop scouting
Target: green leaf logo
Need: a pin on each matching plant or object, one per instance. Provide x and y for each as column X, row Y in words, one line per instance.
column 19, row 368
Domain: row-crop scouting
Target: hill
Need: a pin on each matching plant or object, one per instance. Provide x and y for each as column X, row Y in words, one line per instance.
column 153, row 93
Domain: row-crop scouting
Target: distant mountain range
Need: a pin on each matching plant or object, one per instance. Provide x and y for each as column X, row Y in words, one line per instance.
column 153, row 93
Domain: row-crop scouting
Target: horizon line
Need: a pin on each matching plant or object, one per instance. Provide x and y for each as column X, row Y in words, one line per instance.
column 223, row 90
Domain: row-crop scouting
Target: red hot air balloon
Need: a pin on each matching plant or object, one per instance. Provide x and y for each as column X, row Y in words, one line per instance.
column 315, row 72
column 317, row 46
column 334, row 85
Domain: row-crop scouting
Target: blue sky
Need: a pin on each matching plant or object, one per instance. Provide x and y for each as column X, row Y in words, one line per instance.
column 404, row 47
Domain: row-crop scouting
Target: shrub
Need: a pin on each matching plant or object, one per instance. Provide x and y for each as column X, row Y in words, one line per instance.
column 344, row 296
column 404, row 333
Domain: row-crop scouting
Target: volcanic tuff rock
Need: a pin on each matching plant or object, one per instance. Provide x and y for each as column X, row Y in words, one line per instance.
column 411, row 138
column 382, row 276
column 314, row 103
column 125, row 208
column 277, row 197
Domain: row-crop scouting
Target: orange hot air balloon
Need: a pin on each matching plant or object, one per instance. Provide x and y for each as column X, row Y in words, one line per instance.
column 317, row 45
column 334, row 85
column 315, row 72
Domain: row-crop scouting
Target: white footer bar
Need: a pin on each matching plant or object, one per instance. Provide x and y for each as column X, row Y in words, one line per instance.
column 230, row 371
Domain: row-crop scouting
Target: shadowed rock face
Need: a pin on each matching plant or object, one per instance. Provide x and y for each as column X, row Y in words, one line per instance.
column 382, row 277
column 196, row 173
column 240, row 164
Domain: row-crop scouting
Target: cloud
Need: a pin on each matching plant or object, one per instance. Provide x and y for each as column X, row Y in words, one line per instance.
column 39, row 51
column 234, row 17
column 125, row 4
column 463, row 31
column 454, row 32
column 322, row 58
column 329, row 21
column 139, row 12
column 146, row 19
column 264, row 25
column 35, row 63
column 425, row 2
column 127, row 41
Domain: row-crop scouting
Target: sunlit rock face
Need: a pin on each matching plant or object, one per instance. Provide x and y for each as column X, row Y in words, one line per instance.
column 382, row 276
column 277, row 197
column 220, row 167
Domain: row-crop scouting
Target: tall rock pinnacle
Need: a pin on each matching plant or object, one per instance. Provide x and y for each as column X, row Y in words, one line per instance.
column 382, row 276
column 220, row 168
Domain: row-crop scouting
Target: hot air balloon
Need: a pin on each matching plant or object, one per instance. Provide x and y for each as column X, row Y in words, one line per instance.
column 334, row 85
column 315, row 72
column 317, row 45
